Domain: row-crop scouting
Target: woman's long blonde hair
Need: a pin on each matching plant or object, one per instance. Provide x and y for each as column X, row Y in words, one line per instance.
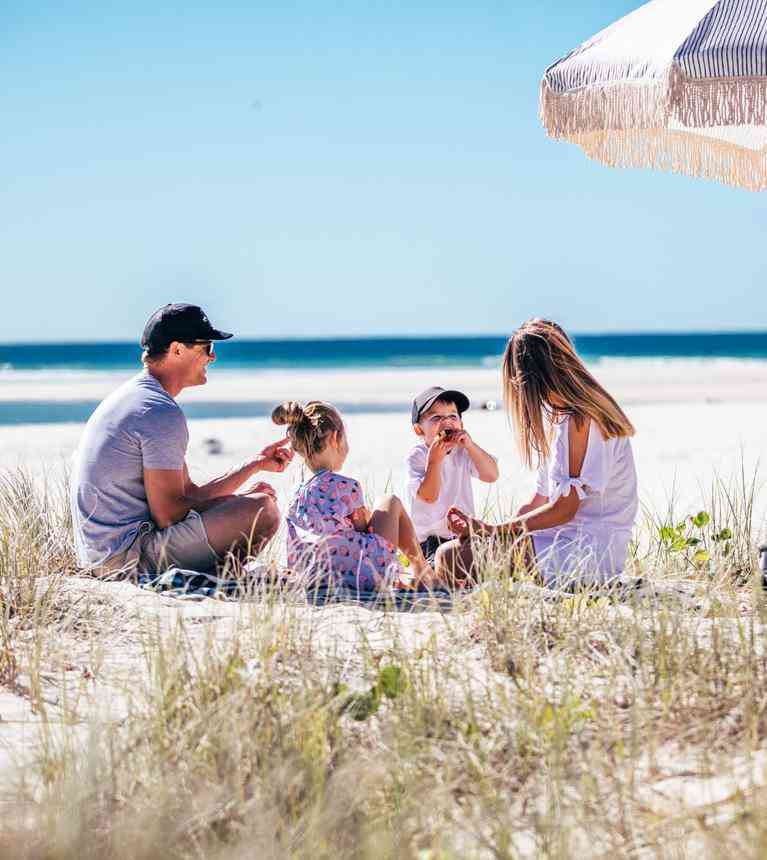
column 540, row 361
column 309, row 426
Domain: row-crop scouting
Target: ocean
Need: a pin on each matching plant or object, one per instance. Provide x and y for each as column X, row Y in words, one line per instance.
column 346, row 353
column 64, row 382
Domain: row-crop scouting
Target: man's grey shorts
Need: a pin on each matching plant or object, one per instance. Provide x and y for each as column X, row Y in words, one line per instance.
column 184, row 544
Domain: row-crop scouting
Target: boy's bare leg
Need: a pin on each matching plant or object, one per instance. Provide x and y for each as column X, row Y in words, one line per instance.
column 454, row 561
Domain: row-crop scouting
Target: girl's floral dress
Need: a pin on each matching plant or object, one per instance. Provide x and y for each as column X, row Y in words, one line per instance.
column 323, row 543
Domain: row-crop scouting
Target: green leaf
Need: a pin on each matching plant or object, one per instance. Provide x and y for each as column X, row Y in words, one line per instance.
column 692, row 541
column 391, row 682
column 724, row 534
column 339, row 689
column 701, row 556
column 701, row 519
column 360, row 706
column 667, row 534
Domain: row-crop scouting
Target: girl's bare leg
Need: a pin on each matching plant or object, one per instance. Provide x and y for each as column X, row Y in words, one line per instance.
column 390, row 520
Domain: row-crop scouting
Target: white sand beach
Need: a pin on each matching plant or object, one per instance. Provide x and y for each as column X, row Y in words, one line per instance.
column 694, row 420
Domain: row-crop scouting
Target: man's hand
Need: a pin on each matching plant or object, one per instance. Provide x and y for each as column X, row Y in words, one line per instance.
column 261, row 487
column 275, row 457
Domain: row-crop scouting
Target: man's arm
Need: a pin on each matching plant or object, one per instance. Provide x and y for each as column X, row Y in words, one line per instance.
column 171, row 493
column 274, row 458
column 167, row 497
column 225, row 485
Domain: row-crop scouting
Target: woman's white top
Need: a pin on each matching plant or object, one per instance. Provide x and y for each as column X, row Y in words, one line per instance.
column 592, row 547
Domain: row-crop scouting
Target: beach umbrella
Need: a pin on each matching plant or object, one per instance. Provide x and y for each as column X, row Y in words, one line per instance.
column 676, row 85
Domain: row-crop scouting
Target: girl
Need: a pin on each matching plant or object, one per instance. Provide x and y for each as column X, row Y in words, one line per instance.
column 581, row 516
column 332, row 537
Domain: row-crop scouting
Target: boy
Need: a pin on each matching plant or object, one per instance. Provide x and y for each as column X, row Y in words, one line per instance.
column 440, row 467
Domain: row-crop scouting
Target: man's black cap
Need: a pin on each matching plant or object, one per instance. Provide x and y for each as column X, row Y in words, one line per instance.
column 181, row 322
column 426, row 398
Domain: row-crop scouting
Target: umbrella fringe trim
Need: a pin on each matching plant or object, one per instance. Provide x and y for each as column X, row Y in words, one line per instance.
column 618, row 106
column 717, row 101
column 645, row 104
column 678, row 152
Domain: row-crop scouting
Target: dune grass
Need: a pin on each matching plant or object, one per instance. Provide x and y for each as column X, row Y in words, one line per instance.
column 518, row 724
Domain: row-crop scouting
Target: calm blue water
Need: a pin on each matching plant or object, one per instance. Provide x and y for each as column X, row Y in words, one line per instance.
column 16, row 360
column 374, row 352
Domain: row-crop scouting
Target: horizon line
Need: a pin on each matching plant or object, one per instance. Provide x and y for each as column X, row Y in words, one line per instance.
column 405, row 337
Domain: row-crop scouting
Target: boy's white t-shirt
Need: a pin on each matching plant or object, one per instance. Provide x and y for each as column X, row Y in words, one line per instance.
column 455, row 491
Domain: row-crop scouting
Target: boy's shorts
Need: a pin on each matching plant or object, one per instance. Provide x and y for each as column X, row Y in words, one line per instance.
column 430, row 546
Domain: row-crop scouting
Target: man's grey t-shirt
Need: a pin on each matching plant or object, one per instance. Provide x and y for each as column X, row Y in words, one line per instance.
column 139, row 426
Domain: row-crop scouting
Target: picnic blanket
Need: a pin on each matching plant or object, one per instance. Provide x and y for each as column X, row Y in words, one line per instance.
column 198, row 585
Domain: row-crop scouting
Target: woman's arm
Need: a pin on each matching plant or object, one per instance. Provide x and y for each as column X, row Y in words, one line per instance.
column 548, row 514
column 561, row 511
column 538, row 501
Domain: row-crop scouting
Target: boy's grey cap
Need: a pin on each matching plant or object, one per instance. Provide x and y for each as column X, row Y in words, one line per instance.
column 182, row 322
column 426, row 399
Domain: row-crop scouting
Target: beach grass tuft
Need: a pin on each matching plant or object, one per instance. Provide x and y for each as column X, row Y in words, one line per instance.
column 518, row 723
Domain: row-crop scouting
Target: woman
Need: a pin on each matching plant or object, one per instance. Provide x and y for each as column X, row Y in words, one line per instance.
column 581, row 517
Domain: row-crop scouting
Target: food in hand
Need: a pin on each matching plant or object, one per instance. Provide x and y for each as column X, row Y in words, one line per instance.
column 447, row 435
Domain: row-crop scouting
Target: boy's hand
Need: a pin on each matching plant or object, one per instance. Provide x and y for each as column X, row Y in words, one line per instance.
column 463, row 526
column 438, row 450
column 275, row 457
column 360, row 518
column 462, row 439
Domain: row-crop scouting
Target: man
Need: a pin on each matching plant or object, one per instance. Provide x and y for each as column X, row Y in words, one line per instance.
column 134, row 506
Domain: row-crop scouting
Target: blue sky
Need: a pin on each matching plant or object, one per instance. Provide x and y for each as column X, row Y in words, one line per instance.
column 320, row 169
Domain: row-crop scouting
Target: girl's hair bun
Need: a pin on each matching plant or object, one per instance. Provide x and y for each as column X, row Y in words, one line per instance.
column 290, row 412
column 309, row 426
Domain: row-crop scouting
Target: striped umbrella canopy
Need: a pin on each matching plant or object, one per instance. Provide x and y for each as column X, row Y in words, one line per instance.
column 676, row 85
